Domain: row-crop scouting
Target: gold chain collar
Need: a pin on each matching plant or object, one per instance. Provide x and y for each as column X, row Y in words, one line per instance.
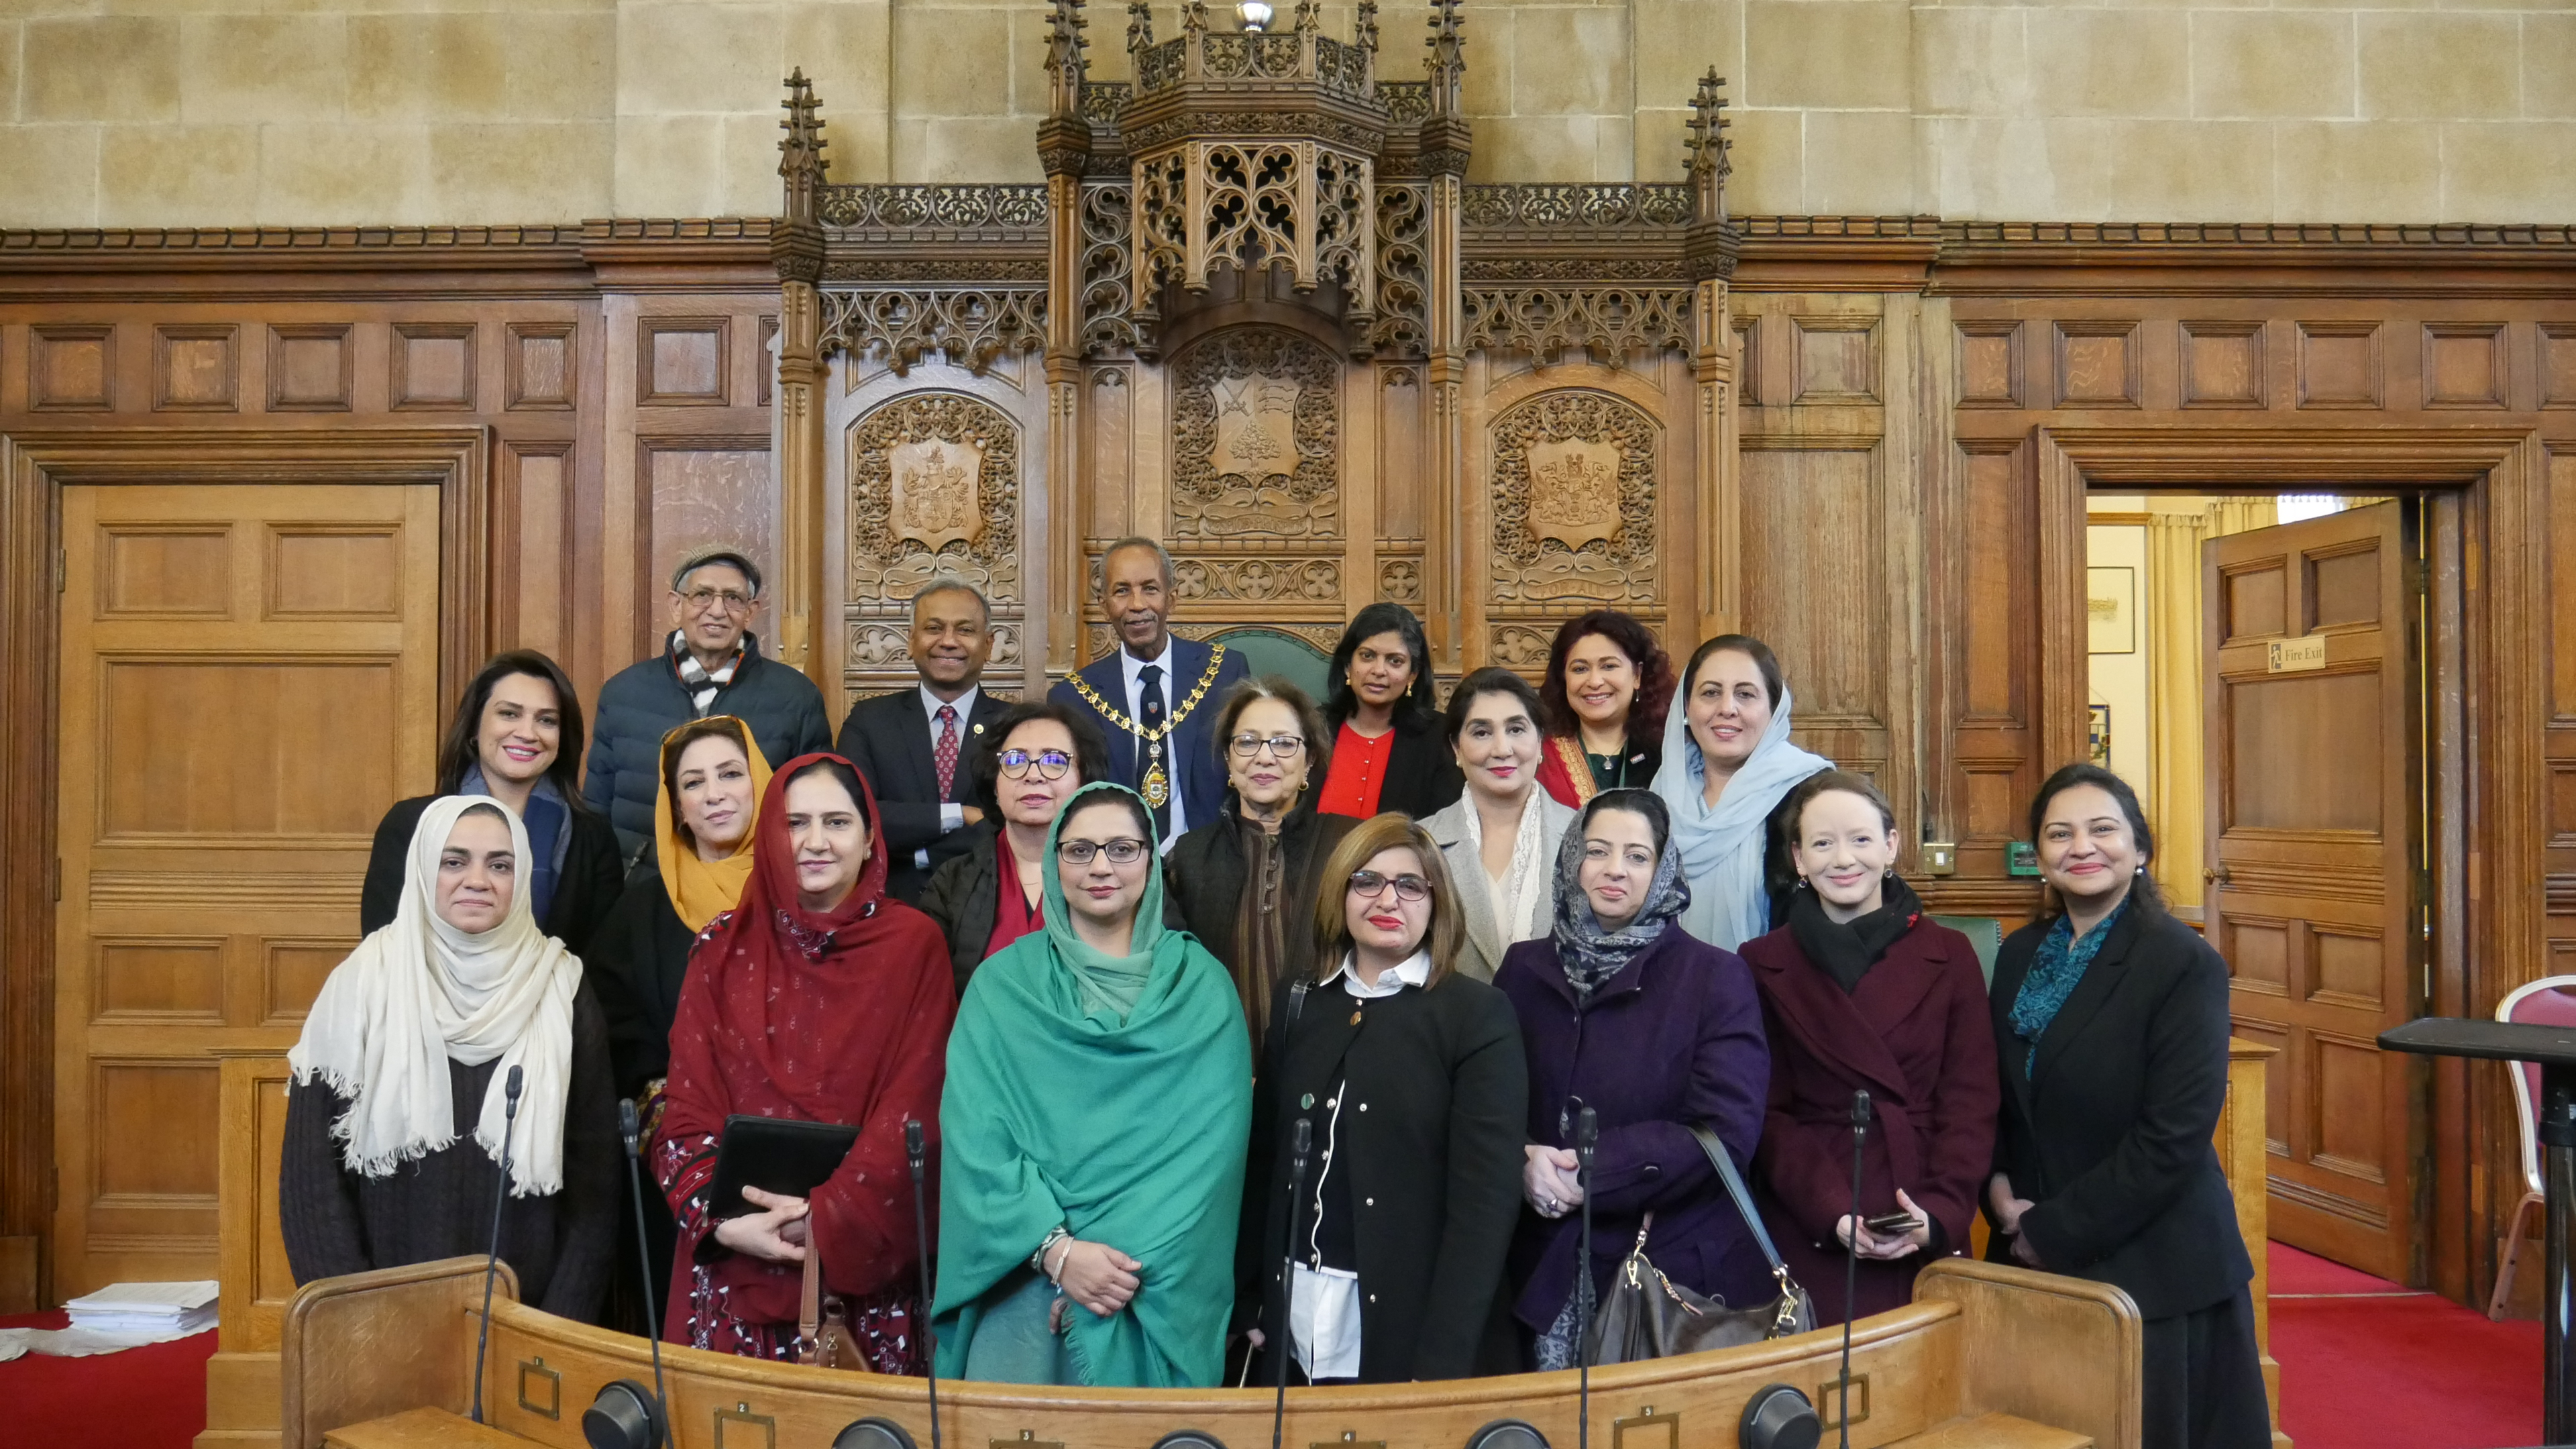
column 1090, row 696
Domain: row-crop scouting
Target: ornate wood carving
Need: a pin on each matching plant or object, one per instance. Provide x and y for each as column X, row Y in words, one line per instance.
column 1610, row 321
column 1256, row 437
column 1574, row 502
column 969, row 326
column 934, row 490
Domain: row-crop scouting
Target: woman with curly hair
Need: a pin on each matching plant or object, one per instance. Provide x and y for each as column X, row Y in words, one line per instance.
column 1607, row 687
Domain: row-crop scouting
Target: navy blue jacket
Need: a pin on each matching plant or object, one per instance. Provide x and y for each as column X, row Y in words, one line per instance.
column 1191, row 750
column 645, row 701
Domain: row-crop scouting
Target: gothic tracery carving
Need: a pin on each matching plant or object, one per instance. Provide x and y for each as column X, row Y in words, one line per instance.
column 1256, row 446
column 934, row 489
column 970, row 326
column 1544, row 321
column 1108, row 301
column 1574, row 500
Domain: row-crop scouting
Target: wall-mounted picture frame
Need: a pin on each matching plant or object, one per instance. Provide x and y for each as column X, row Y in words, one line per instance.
column 2111, row 610
column 2097, row 734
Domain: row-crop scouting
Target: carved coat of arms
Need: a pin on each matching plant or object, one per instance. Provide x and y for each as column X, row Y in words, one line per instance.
column 934, row 486
column 1574, row 491
column 1256, row 426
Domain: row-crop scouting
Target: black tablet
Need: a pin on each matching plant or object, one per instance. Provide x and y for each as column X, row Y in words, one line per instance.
column 774, row 1154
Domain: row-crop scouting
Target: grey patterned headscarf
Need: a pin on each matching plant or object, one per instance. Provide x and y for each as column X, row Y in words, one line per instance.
column 1589, row 954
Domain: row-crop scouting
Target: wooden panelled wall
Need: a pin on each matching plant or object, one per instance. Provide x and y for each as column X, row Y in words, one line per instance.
column 1920, row 407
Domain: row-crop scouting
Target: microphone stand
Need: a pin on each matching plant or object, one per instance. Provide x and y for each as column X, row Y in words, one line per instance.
column 1587, row 1137
column 500, row 1194
column 913, row 1153
column 1851, row 1256
column 1301, row 1142
column 630, row 1129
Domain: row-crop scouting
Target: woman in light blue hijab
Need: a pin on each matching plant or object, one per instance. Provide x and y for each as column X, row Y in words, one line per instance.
column 1727, row 766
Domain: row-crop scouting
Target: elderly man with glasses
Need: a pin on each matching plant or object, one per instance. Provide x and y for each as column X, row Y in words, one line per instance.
column 710, row 664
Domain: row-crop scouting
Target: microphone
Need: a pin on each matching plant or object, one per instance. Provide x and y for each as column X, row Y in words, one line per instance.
column 500, row 1194
column 1587, row 1139
column 913, row 1152
column 1851, row 1256
column 1301, row 1142
column 622, row 1416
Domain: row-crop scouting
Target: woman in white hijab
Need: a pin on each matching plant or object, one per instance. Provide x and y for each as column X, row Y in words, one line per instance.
column 396, row 1115
column 1727, row 766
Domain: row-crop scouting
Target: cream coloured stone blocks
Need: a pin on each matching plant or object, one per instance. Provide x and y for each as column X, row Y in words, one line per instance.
column 234, row 112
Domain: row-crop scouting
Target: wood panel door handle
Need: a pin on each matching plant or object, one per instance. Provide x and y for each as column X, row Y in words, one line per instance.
column 2217, row 873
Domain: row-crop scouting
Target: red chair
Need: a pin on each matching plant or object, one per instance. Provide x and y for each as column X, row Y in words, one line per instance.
column 2550, row 1001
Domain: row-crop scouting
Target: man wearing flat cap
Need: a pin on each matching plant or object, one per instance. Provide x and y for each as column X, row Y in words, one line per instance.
column 710, row 664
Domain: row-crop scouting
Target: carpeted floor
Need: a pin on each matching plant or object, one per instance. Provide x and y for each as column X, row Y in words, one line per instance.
column 2365, row 1364
column 142, row 1398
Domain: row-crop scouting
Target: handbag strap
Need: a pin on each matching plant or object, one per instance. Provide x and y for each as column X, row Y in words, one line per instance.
column 1734, row 1181
column 809, row 1310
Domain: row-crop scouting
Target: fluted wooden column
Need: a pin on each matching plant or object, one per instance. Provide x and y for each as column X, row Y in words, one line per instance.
column 796, row 247
column 1064, row 150
column 1457, row 643
column 1711, row 248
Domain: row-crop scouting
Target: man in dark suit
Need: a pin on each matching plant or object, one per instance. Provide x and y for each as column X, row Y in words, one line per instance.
column 916, row 745
column 1156, row 695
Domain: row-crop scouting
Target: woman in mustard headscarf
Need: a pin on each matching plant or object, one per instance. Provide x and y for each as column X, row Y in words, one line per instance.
column 713, row 778
column 1094, row 1122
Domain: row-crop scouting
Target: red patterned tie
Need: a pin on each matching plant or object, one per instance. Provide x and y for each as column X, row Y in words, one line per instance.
column 945, row 755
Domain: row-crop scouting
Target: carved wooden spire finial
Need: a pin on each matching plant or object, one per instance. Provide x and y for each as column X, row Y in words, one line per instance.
column 800, row 153
column 1067, row 60
column 1364, row 30
column 1194, row 22
column 1447, row 65
column 1140, row 26
column 1708, row 145
column 1305, row 21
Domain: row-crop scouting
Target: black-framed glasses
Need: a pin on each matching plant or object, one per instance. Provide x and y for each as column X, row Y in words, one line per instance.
column 1125, row 850
column 734, row 601
column 1283, row 747
column 1369, row 884
column 1051, row 764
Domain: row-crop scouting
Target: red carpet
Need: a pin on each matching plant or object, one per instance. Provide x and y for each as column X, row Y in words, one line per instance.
column 143, row 1398
column 2365, row 1364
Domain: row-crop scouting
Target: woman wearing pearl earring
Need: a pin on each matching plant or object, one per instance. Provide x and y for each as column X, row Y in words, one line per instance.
column 1861, row 991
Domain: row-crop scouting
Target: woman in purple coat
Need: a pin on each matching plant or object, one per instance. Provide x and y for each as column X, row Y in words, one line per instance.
column 1623, row 1011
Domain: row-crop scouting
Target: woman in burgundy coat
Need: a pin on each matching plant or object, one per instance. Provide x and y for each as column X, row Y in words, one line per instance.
column 1657, row 1032
column 1863, row 992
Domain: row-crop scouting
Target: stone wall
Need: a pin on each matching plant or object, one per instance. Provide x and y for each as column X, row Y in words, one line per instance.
column 229, row 112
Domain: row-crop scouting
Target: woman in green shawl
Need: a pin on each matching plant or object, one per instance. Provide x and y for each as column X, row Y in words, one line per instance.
column 1098, row 1101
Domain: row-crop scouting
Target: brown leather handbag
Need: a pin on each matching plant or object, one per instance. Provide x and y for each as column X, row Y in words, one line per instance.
column 823, row 1322
column 1647, row 1315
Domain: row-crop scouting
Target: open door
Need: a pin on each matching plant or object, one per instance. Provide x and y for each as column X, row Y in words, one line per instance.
column 2313, row 763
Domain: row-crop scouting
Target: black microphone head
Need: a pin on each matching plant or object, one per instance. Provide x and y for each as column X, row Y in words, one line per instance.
column 627, row 1125
column 518, row 1078
column 1303, row 1140
column 912, row 1138
column 1860, row 1109
column 1587, row 1130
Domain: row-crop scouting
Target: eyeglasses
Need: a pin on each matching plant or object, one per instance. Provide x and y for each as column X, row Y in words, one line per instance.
column 1051, row 764
column 1368, row 885
column 1283, row 747
column 734, row 602
column 1122, row 851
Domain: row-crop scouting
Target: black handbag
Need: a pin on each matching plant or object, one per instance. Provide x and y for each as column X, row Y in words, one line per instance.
column 1647, row 1315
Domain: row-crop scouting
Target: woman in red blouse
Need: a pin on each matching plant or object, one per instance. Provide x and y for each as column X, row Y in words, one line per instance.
column 1388, row 749
column 1608, row 685
column 1027, row 764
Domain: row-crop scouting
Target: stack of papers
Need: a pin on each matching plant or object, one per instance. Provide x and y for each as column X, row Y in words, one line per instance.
column 154, row 1310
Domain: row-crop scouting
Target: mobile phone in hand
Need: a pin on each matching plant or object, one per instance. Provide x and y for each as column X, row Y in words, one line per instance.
column 1893, row 1225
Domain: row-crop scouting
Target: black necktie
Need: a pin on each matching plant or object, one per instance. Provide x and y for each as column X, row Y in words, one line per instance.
column 1149, row 713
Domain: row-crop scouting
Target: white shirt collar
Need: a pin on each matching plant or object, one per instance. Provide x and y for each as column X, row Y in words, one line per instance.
column 964, row 704
column 1132, row 669
column 1413, row 970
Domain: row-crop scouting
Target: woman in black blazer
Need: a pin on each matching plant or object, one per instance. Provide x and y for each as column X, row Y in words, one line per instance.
column 1413, row 1081
column 1389, row 749
column 1054, row 752
column 2111, row 1020
column 516, row 736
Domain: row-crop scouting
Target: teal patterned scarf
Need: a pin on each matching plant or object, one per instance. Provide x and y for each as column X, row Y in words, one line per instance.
column 2054, row 973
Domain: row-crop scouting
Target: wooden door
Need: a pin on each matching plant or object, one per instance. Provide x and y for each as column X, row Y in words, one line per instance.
column 2313, row 765
column 248, row 678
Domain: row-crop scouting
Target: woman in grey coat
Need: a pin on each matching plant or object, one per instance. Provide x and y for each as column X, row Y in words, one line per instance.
column 1501, row 838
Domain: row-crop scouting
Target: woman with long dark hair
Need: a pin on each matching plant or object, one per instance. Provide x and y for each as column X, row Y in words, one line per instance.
column 818, row 999
column 1385, row 729
column 516, row 736
column 2111, row 1017
column 1607, row 688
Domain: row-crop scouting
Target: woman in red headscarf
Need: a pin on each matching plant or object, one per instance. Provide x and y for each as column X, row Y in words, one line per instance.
column 818, row 998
